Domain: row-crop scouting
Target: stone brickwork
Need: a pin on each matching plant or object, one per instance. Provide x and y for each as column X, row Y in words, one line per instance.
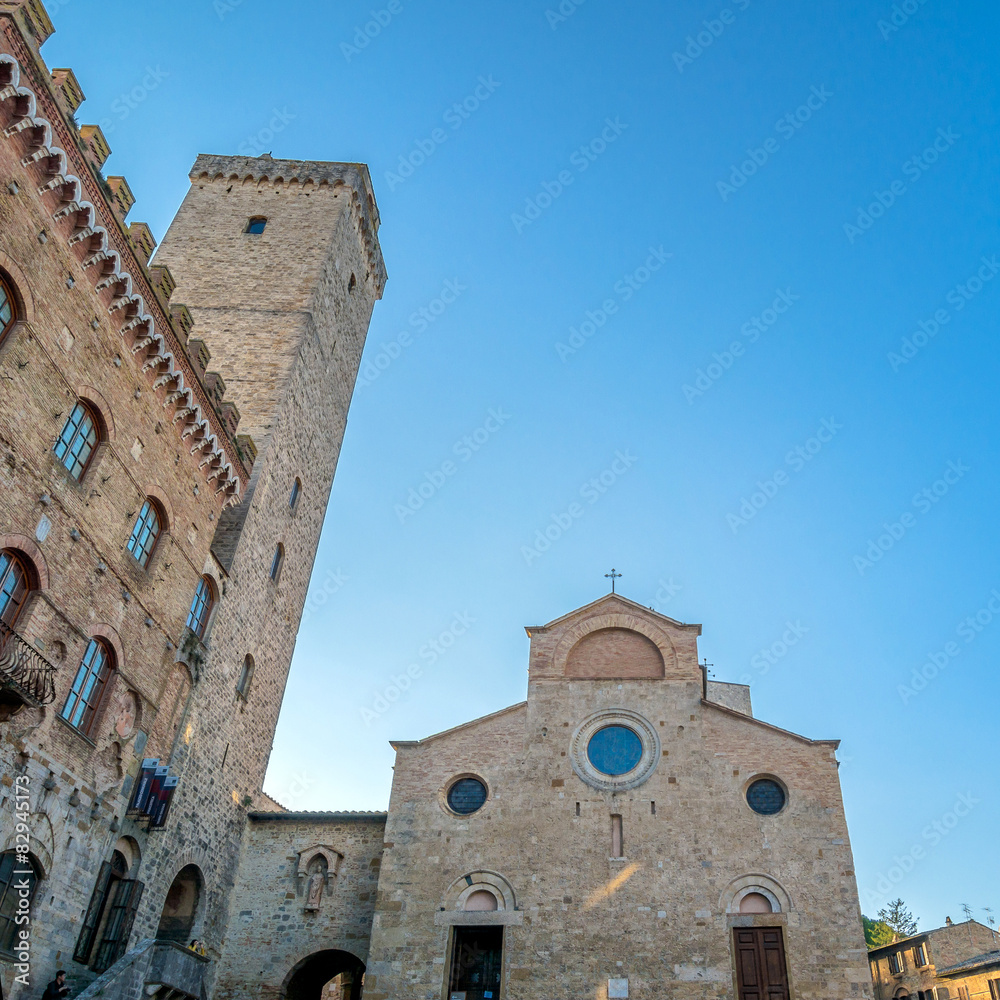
column 167, row 356
column 274, row 932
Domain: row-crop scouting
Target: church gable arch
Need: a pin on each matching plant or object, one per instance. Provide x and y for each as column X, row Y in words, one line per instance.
column 614, row 652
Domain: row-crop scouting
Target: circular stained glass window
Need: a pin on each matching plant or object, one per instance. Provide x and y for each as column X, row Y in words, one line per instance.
column 466, row 796
column 766, row 797
column 614, row 750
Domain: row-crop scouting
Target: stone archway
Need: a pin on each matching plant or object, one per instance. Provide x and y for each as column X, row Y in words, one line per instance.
column 182, row 905
column 325, row 975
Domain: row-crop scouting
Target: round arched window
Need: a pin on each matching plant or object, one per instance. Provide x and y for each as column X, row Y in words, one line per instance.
column 8, row 308
column 766, row 796
column 466, row 796
column 615, row 750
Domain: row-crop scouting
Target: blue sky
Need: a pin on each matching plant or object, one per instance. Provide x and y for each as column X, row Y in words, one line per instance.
column 633, row 190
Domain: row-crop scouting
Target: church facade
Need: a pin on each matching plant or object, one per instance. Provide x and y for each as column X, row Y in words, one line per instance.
column 629, row 830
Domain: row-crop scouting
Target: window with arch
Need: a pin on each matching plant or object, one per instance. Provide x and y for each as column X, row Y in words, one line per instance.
column 245, row 678
column 15, row 585
column 13, row 875
column 293, row 498
column 8, row 308
column 146, row 533
column 79, row 439
column 256, row 225
column 277, row 561
column 201, row 607
column 89, row 685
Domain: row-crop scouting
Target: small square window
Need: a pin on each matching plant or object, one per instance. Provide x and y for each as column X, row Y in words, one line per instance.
column 256, row 226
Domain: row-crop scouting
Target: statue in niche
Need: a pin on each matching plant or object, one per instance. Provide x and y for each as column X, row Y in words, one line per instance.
column 315, row 883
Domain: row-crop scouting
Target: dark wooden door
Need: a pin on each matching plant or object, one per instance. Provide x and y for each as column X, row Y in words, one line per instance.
column 760, row 963
column 477, row 963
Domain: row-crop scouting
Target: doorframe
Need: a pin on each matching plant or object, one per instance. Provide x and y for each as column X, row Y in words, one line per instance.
column 736, row 920
column 487, row 919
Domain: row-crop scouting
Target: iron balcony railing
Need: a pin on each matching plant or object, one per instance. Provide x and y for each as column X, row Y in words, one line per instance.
column 24, row 669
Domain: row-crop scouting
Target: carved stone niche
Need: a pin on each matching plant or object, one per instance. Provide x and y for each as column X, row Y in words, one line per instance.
column 317, row 866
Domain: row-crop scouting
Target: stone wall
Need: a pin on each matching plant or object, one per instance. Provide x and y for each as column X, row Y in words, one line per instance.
column 272, row 931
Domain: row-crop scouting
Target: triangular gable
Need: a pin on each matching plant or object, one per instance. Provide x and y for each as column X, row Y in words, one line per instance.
column 609, row 604
column 396, row 744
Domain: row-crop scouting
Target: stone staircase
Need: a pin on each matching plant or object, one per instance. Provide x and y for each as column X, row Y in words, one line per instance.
column 163, row 970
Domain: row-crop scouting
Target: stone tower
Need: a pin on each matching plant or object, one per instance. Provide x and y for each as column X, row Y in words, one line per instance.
column 279, row 264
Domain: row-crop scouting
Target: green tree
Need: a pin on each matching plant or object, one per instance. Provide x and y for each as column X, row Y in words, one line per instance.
column 899, row 918
column 877, row 932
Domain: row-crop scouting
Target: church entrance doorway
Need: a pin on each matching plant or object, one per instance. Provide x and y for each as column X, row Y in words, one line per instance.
column 761, row 973
column 476, row 963
column 180, row 908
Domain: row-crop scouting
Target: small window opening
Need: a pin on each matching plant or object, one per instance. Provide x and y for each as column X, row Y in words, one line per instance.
column 578, row 808
column 276, row 562
column 243, row 684
column 617, row 845
column 652, row 808
column 352, row 284
column 256, row 225
column 296, row 489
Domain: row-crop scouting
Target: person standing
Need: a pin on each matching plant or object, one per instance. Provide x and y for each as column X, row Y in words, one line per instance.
column 57, row 989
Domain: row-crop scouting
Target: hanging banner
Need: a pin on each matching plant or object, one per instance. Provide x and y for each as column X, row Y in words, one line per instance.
column 159, row 809
column 142, row 783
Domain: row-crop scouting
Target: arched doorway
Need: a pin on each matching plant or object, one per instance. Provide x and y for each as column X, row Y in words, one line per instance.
column 180, row 908
column 326, row 975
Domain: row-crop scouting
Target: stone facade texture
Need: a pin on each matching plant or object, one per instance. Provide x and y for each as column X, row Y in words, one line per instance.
column 169, row 353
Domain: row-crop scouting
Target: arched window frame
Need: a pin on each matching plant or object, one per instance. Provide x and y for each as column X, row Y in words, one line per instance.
column 246, row 677
column 17, row 581
column 10, row 897
column 277, row 562
column 9, row 311
column 150, row 524
column 202, row 605
column 91, row 684
column 79, row 438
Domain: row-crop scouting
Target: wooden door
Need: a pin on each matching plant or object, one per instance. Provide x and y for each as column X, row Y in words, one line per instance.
column 761, row 973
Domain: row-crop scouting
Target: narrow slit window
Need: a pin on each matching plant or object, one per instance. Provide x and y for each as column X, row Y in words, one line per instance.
column 245, row 679
column 276, row 562
column 293, row 499
column 617, row 846
column 578, row 808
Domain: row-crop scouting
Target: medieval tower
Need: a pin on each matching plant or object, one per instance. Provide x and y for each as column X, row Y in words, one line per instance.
column 170, row 426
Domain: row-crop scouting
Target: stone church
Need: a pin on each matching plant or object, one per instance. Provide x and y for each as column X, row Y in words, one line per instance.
column 630, row 830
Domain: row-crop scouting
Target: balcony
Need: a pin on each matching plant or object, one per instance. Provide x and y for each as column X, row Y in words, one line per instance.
column 26, row 677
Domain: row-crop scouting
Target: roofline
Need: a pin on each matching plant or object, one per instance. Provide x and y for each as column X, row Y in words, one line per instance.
column 767, row 725
column 979, row 962
column 338, row 817
column 933, row 930
column 397, row 744
column 639, row 607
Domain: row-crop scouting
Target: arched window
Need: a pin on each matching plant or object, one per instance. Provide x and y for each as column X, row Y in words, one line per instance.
column 246, row 676
column 78, row 440
column 13, row 876
column 296, row 490
column 201, row 607
column 15, row 583
column 8, row 308
column 256, row 225
column 276, row 562
column 145, row 533
column 89, row 686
